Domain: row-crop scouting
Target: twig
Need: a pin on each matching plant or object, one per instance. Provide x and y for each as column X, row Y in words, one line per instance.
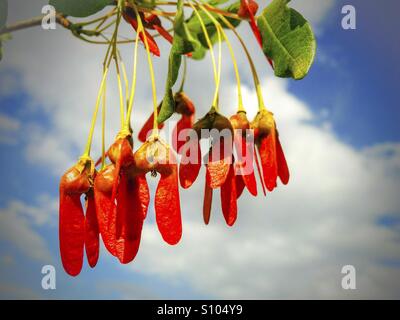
column 35, row 22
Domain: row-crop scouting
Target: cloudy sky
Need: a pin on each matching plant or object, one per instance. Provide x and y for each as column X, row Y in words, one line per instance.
column 338, row 126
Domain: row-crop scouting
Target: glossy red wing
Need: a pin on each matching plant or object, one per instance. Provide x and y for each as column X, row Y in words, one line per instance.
column 259, row 171
column 147, row 127
column 164, row 33
column 142, row 195
column 208, row 195
column 185, row 123
column 106, row 210
column 229, row 198
column 267, row 149
column 71, row 232
column 218, row 165
column 91, row 231
column 153, row 47
column 168, row 208
column 283, row 170
column 129, row 220
column 248, row 9
column 190, row 164
column 244, row 163
column 239, row 185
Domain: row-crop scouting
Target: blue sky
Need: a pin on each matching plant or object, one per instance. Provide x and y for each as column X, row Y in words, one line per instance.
column 339, row 128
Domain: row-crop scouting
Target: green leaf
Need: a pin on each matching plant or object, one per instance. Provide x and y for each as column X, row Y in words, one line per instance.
column 180, row 45
column 80, row 8
column 196, row 29
column 215, row 3
column 3, row 38
column 3, row 13
column 287, row 39
column 150, row 4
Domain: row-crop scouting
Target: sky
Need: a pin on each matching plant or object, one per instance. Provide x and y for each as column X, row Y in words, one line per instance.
column 338, row 127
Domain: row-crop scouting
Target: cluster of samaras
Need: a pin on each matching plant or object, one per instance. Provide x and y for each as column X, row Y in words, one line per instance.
column 117, row 196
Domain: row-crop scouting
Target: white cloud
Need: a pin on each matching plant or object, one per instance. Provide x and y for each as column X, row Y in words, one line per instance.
column 314, row 11
column 19, row 222
column 125, row 291
column 13, row 292
column 291, row 244
column 8, row 129
column 16, row 229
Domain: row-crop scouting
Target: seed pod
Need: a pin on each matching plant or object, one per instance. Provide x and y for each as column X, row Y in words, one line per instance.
column 229, row 198
column 273, row 162
column 91, row 230
column 148, row 126
column 105, row 209
column 130, row 16
column 183, row 105
column 74, row 183
column 247, row 8
column 212, row 120
column 244, row 151
column 157, row 157
column 263, row 124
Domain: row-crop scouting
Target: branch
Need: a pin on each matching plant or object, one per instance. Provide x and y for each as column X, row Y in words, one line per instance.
column 35, row 22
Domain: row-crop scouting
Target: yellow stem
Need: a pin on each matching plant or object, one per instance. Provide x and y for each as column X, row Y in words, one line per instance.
column 96, row 109
column 234, row 61
column 107, row 26
column 213, row 9
column 261, row 104
column 216, row 95
column 100, row 19
column 121, row 95
column 106, row 66
column 153, row 82
column 209, row 43
column 133, row 88
column 103, row 129
column 125, row 77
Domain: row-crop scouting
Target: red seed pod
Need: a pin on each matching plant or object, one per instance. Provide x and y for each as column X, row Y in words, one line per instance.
column 121, row 155
column 244, row 151
column 121, row 220
column 190, row 164
column 185, row 107
column 273, row 161
column 132, row 204
column 247, row 9
column 105, row 209
column 148, row 127
column 185, row 123
column 130, row 16
column 221, row 151
column 229, row 198
column 156, row 156
column 219, row 163
column 208, row 194
column 239, row 186
column 91, row 230
column 76, row 182
column 213, row 120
